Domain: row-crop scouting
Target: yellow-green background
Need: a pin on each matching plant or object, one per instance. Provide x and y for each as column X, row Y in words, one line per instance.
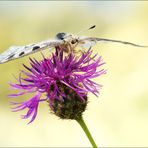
column 119, row 117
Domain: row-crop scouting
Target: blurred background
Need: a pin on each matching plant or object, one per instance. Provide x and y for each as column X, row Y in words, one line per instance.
column 119, row 117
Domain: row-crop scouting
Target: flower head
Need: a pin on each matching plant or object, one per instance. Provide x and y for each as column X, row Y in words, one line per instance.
column 62, row 79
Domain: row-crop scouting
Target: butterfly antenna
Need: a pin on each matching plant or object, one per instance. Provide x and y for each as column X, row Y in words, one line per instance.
column 86, row 29
column 92, row 27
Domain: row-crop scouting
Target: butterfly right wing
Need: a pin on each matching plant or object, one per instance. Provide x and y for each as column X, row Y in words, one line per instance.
column 15, row 52
column 91, row 40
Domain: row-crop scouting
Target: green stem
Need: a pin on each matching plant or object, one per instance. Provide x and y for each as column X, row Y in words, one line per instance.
column 85, row 129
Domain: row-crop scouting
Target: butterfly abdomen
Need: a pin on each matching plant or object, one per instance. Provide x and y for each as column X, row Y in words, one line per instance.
column 61, row 36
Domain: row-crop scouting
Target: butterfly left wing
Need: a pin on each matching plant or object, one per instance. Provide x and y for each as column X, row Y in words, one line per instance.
column 95, row 40
column 15, row 52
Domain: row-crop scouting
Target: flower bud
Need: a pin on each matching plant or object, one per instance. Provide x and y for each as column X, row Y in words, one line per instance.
column 71, row 106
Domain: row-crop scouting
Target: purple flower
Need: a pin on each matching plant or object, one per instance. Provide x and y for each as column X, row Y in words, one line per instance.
column 56, row 78
column 31, row 104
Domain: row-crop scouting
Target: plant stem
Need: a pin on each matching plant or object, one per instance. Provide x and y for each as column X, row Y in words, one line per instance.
column 85, row 129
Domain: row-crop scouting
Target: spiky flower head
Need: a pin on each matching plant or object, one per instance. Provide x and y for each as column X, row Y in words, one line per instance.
column 62, row 80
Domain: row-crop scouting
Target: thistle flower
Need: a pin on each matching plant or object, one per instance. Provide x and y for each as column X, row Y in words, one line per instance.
column 61, row 80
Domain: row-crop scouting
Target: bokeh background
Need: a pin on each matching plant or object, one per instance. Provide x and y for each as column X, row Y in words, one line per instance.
column 119, row 117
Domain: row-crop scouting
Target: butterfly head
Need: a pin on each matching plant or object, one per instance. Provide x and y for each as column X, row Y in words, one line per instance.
column 67, row 37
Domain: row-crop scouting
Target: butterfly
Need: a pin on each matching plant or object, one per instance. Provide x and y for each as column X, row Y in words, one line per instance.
column 67, row 41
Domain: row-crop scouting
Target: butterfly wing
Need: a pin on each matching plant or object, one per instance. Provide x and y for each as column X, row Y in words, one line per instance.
column 94, row 39
column 15, row 52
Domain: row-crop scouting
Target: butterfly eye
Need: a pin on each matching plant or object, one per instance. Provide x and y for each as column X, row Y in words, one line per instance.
column 74, row 41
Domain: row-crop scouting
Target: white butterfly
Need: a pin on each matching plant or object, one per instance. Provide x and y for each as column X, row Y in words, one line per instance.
column 65, row 40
